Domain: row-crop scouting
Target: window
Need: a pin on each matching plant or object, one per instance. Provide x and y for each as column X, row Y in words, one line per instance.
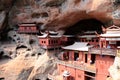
column 82, row 40
column 49, row 42
column 25, row 28
column 96, row 40
column 86, row 58
column 93, row 56
column 89, row 40
column 76, row 56
column 44, row 41
column 112, row 57
column 56, row 41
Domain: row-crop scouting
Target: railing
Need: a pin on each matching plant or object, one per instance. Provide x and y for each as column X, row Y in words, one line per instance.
column 49, row 47
column 103, row 51
column 78, row 65
column 28, row 31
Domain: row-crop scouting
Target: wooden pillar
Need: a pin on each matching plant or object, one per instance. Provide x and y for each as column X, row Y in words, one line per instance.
column 71, row 55
column 105, row 43
column 80, row 56
column 100, row 43
column 89, row 58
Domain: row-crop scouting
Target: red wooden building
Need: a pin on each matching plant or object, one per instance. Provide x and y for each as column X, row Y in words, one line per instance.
column 111, row 39
column 84, row 61
column 27, row 28
column 89, row 36
column 109, row 48
column 48, row 41
column 67, row 40
column 83, row 65
column 51, row 40
column 78, row 62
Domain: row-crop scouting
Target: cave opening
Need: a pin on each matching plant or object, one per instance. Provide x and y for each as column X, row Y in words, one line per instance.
column 21, row 46
column 85, row 25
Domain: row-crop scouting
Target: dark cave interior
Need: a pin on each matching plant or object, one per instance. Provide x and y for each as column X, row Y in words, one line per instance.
column 85, row 25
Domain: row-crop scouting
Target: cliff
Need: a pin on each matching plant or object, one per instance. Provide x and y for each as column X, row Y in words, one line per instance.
column 115, row 69
column 60, row 14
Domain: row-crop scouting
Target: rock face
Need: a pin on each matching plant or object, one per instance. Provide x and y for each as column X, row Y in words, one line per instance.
column 52, row 15
column 2, row 19
column 60, row 14
column 115, row 69
column 28, row 67
column 27, row 60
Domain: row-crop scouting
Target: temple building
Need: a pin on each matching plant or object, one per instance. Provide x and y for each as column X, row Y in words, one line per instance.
column 89, row 36
column 27, row 28
column 67, row 40
column 75, row 61
column 84, row 61
column 111, row 39
column 49, row 40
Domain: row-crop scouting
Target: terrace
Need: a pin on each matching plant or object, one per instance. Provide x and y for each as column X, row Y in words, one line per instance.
column 103, row 51
column 78, row 65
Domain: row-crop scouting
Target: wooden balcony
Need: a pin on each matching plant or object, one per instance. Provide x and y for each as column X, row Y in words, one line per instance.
column 50, row 46
column 78, row 65
column 27, row 31
column 103, row 51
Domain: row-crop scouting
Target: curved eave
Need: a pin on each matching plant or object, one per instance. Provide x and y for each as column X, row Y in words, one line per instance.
column 110, row 35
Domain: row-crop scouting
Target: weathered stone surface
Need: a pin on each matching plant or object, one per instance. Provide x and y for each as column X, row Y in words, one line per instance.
column 24, row 74
column 60, row 14
column 115, row 69
column 54, row 15
column 64, row 13
column 2, row 19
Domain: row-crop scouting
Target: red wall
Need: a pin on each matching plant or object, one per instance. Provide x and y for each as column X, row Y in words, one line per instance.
column 102, row 65
column 41, row 42
column 72, row 72
column 27, row 29
column 61, row 68
column 79, row 74
column 81, row 56
column 64, row 39
column 92, row 42
column 45, row 42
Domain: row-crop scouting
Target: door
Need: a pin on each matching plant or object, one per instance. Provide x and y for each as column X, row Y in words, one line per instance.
column 76, row 56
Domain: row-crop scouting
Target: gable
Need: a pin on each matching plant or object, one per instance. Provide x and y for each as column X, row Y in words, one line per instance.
column 113, row 28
